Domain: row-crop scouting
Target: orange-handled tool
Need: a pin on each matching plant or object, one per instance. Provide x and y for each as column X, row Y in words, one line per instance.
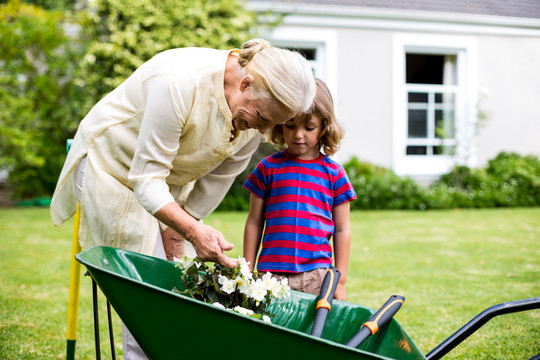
column 328, row 289
column 377, row 320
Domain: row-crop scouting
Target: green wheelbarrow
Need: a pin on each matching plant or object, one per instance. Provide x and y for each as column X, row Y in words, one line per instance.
column 179, row 326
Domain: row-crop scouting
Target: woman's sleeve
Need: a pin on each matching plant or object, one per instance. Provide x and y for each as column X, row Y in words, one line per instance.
column 209, row 190
column 157, row 143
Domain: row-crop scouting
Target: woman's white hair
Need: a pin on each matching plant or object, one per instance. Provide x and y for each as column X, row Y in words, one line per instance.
column 284, row 74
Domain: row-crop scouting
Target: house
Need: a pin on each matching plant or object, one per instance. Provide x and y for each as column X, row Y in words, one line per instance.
column 421, row 85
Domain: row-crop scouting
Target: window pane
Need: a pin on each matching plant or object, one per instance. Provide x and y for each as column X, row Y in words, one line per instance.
column 443, row 150
column 309, row 54
column 415, row 97
column 445, row 98
column 430, row 69
column 416, row 150
column 424, row 69
column 444, row 124
column 417, row 123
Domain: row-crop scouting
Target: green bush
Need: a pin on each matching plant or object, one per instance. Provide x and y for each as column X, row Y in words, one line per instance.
column 508, row 180
column 380, row 188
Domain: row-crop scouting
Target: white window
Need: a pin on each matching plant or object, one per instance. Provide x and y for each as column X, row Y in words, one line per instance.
column 434, row 104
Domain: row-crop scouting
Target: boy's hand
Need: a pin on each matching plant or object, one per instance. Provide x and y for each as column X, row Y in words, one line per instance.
column 341, row 292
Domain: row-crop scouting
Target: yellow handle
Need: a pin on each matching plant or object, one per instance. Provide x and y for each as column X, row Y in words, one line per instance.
column 74, row 281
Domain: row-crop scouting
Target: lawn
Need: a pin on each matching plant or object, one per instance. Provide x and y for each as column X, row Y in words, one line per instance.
column 449, row 265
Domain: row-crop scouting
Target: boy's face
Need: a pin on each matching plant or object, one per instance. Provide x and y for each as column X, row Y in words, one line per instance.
column 302, row 139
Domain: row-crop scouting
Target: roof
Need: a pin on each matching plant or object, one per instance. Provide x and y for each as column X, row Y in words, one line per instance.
column 508, row 8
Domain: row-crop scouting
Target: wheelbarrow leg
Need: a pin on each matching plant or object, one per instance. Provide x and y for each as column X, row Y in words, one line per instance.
column 74, row 284
column 96, row 319
column 111, row 336
column 96, row 322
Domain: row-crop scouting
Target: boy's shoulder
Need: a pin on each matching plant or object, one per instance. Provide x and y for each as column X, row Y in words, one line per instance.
column 275, row 157
column 328, row 161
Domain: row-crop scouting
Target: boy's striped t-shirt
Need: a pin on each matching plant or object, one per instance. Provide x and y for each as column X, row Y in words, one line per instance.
column 299, row 196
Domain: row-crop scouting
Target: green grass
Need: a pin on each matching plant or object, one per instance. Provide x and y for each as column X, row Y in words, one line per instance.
column 449, row 265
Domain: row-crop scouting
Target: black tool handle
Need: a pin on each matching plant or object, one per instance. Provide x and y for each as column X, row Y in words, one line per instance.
column 328, row 289
column 377, row 320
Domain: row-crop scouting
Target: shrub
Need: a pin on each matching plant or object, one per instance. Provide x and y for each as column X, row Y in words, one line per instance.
column 380, row 188
column 509, row 179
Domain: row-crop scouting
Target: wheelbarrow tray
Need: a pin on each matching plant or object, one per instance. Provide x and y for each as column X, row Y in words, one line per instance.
column 170, row 325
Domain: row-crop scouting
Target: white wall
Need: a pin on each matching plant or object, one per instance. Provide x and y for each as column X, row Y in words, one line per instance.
column 365, row 95
column 509, row 74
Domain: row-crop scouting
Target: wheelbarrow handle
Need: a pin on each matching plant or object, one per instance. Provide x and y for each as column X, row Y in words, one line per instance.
column 328, row 289
column 377, row 320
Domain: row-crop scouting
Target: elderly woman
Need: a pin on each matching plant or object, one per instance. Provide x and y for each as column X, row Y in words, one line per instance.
column 160, row 151
column 187, row 118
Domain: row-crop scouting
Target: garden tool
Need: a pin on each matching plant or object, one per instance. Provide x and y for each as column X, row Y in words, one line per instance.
column 326, row 296
column 377, row 320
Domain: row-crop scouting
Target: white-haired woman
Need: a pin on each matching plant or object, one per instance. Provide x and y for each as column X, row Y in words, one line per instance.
column 159, row 152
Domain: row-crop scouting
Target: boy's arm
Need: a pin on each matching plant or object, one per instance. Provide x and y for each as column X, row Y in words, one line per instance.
column 253, row 230
column 342, row 245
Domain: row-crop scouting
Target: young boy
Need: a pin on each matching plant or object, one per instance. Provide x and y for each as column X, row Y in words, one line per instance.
column 301, row 199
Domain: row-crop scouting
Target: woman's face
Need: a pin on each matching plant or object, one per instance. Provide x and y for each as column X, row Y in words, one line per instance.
column 251, row 112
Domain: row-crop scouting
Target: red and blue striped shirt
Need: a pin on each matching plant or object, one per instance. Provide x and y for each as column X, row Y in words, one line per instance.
column 299, row 196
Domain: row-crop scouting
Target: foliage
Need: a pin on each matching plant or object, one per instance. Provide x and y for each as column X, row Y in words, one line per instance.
column 508, row 180
column 380, row 188
column 236, row 289
column 125, row 34
column 54, row 4
column 37, row 99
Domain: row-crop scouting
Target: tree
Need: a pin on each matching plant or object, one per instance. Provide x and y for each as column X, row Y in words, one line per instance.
column 125, row 34
column 48, row 82
column 36, row 96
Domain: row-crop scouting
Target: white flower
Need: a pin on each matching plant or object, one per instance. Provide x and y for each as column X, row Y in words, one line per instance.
column 227, row 285
column 244, row 268
column 269, row 281
column 257, row 290
column 285, row 289
column 243, row 311
column 216, row 304
column 185, row 263
column 266, row 319
column 242, row 284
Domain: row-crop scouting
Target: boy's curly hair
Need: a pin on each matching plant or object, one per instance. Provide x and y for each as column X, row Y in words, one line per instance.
column 322, row 107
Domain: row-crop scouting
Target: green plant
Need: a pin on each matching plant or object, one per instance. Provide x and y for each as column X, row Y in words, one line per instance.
column 122, row 35
column 380, row 188
column 37, row 98
column 235, row 289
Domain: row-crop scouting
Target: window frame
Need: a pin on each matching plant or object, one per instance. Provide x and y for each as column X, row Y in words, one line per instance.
column 431, row 167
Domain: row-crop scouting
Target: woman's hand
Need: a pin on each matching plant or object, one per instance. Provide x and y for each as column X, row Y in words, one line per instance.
column 173, row 244
column 210, row 244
